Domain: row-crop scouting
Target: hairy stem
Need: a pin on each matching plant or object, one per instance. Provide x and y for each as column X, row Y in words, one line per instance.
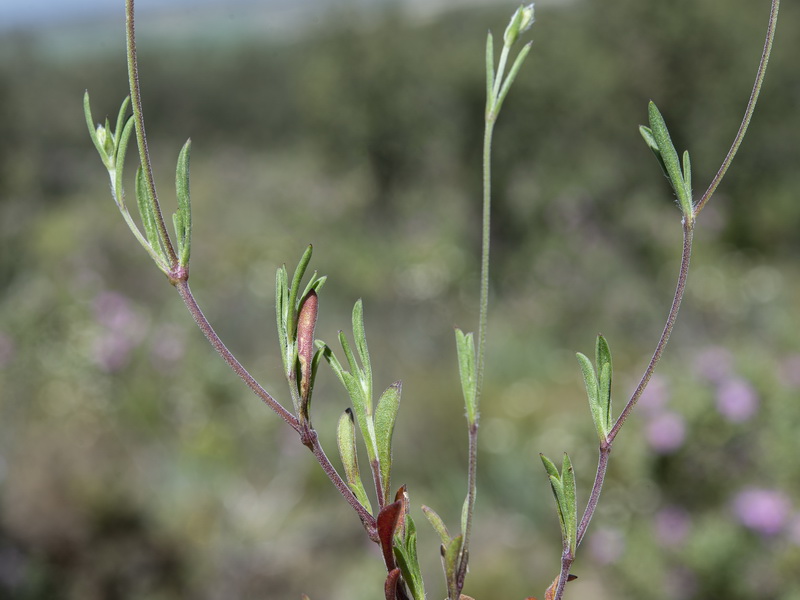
column 751, row 106
column 472, row 469
column 230, row 359
column 309, row 435
column 141, row 137
column 605, row 448
column 688, row 234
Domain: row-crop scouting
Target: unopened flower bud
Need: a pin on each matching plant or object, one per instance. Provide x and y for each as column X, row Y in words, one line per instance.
column 106, row 141
column 520, row 22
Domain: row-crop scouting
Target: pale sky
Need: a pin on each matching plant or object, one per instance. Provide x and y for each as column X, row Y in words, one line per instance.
column 27, row 13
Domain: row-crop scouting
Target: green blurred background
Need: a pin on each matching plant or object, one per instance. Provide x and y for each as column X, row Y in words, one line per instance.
column 133, row 465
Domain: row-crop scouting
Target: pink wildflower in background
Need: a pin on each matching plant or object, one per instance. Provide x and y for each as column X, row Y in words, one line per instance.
column 122, row 330
column 655, row 395
column 665, row 432
column 714, row 364
column 737, row 400
column 762, row 510
column 672, row 525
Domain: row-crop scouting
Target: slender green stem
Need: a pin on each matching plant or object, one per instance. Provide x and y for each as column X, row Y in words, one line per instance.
column 472, row 468
column 141, row 137
column 751, row 106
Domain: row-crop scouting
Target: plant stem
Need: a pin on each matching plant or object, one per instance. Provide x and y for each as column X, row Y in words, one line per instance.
column 605, row 448
column 751, row 106
column 472, row 468
column 141, row 138
column 688, row 234
column 309, row 435
column 230, row 359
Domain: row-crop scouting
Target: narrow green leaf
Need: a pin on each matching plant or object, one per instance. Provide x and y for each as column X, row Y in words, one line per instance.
column 184, row 236
column 450, row 555
column 558, row 492
column 315, row 368
column 489, row 71
column 512, row 75
column 360, row 338
column 687, row 175
column 119, row 162
column 315, row 283
column 549, row 466
column 121, row 119
column 593, row 394
column 87, row 112
column 650, row 140
column 348, row 353
column 570, row 504
column 282, row 314
column 670, row 157
column 437, row 523
column 605, row 398
column 299, row 272
column 465, row 348
column 178, row 226
column 346, row 439
column 604, row 371
column 647, row 135
column 146, row 212
column 405, row 552
column 385, row 416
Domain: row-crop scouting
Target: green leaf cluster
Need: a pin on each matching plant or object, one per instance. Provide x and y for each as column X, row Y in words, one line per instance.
column 563, row 485
column 112, row 146
column 405, row 555
column 376, row 423
column 300, row 371
column 598, row 387
column 659, row 141
column 450, row 550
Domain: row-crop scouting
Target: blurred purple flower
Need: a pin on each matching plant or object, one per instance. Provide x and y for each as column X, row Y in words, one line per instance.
column 714, row 364
column 113, row 310
column 672, row 525
column 655, row 395
column 737, row 400
column 6, row 349
column 111, row 351
column 123, row 330
column 790, row 371
column 606, row 545
column 665, row 432
column 764, row 511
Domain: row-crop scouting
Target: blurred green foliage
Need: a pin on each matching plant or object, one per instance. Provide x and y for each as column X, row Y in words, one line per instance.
column 134, row 466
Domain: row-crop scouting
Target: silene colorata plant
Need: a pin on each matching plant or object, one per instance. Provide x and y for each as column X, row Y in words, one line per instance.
column 386, row 514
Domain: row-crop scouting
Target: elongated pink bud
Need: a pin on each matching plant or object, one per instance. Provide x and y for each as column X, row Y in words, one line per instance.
column 306, row 322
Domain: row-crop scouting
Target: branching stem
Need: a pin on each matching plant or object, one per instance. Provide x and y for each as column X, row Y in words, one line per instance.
column 688, row 233
column 309, row 436
column 141, row 137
